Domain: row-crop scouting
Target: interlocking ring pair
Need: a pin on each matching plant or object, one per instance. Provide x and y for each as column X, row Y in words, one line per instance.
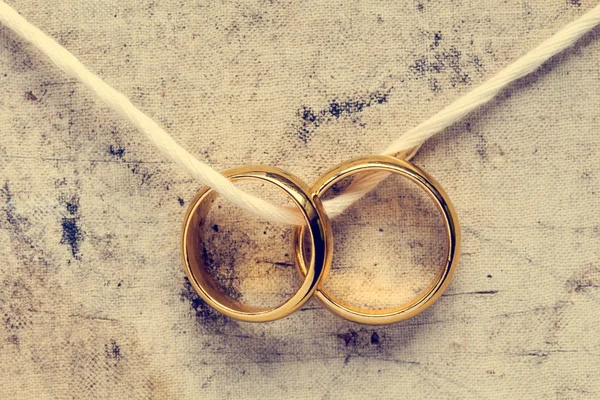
column 318, row 227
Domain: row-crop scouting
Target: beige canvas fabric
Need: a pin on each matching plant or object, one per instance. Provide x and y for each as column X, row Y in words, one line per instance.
column 93, row 297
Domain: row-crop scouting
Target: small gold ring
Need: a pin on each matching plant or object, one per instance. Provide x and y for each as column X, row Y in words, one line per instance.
column 321, row 242
column 427, row 296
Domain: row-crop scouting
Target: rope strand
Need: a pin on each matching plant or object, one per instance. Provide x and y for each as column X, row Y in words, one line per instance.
column 464, row 105
column 409, row 141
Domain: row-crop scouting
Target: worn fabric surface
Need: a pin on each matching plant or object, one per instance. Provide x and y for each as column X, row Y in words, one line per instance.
column 93, row 298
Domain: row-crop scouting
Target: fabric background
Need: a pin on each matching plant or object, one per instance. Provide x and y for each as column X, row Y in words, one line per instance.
column 93, row 297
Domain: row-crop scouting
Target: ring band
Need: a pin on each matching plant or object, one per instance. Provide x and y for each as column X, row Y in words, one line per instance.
column 427, row 296
column 321, row 242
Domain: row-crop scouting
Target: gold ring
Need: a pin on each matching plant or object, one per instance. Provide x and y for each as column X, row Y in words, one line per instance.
column 427, row 296
column 321, row 242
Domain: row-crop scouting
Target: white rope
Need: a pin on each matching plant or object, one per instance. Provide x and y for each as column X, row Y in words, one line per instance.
column 165, row 143
column 412, row 139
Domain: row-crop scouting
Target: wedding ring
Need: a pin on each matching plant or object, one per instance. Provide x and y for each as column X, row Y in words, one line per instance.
column 317, row 225
column 426, row 297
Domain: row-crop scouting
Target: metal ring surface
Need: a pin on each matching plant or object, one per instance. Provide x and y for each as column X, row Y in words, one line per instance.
column 321, row 242
column 427, row 296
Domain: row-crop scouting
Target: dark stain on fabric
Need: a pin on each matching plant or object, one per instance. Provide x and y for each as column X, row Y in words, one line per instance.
column 72, row 208
column 336, row 109
column 13, row 322
column 350, row 338
column 362, row 342
column 181, row 201
column 116, row 151
column 420, row 5
column 146, row 177
column 14, row 339
column 206, row 315
column 415, row 243
column 451, row 63
column 375, row 338
column 71, row 231
column 113, row 351
column 575, row 2
column 25, row 246
column 30, row 96
column 437, row 37
column 222, row 271
column 363, row 338
column 584, row 279
column 481, row 147
column 14, row 220
column 14, row 316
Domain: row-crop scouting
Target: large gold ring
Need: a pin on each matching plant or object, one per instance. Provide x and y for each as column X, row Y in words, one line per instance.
column 427, row 296
column 317, row 224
